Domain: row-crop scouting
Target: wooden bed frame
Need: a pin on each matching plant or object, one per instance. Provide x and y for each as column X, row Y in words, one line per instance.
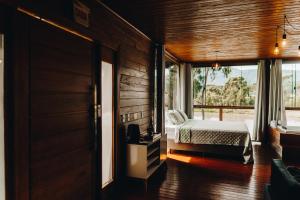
column 221, row 150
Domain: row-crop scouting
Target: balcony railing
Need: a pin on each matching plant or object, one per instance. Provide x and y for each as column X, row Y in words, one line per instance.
column 222, row 108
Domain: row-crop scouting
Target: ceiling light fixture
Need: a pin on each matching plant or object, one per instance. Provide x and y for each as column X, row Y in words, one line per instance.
column 286, row 23
column 276, row 50
column 284, row 33
column 216, row 65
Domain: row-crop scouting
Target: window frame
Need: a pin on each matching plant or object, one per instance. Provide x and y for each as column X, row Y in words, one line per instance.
column 291, row 62
column 223, row 107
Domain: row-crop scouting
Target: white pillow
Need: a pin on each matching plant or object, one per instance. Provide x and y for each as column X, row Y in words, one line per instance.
column 175, row 117
column 167, row 118
column 183, row 115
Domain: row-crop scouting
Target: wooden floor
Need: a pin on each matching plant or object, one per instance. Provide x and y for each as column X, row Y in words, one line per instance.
column 197, row 177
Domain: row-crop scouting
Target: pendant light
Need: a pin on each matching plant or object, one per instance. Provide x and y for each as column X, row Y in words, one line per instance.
column 216, row 65
column 276, row 50
column 284, row 33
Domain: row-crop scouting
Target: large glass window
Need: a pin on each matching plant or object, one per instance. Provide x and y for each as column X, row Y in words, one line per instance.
column 171, row 86
column 226, row 94
column 291, row 92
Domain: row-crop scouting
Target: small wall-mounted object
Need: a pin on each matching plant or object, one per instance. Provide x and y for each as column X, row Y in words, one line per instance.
column 81, row 13
column 123, row 119
column 128, row 117
column 135, row 116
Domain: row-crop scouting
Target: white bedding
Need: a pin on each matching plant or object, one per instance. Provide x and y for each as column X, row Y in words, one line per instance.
column 172, row 130
column 225, row 126
column 212, row 132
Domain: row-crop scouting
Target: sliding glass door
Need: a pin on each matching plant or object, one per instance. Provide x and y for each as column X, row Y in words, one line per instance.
column 107, row 120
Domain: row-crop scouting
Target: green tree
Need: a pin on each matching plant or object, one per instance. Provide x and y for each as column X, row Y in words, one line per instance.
column 172, row 86
column 200, row 75
column 214, row 95
column 237, row 92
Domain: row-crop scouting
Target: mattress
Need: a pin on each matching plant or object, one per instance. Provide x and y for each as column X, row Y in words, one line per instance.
column 214, row 133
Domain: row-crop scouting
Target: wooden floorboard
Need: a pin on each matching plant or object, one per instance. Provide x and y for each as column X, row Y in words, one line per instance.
column 197, row 177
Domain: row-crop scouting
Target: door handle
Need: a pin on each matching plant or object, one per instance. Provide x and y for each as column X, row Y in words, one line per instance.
column 99, row 110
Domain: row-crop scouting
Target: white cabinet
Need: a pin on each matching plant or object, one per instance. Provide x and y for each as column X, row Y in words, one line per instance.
column 143, row 159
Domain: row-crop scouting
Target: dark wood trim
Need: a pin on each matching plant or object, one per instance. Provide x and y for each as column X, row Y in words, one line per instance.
column 119, row 127
column 221, row 114
column 6, row 29
column 117, row 122
column 291, row 60
column 123, row 20
column 292, row 108
column 171, row 57
column 96, row 122
column 160, row 63
column 21, row 107
column 224, row 107
column 226, row 63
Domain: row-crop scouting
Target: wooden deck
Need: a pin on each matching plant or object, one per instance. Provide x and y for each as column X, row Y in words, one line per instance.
column 196, row 177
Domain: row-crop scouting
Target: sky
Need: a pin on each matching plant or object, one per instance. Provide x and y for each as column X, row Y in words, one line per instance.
column 248, row 72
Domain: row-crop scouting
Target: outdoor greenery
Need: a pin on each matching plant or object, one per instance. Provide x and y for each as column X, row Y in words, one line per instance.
column 234, row 92
column 291, row 85
column 171, row 86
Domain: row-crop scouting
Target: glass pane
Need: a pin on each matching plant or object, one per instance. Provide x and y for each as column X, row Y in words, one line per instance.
column 243, row 115
column 293, row 117
column 209, row 114
column 249, row 78
column 229, row 86
column 297, row 78
column 198, row 75
column 171, row 87
column 107, row 123
column 288, row 84
column 2, row 155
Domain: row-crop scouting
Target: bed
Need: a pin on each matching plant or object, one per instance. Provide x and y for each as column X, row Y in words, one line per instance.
column 215, row 137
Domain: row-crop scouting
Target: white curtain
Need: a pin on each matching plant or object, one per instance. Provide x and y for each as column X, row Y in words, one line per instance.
column 189, row 92
column 178, row 89
column 276, row 103
column 182, row 79
column 260, row 103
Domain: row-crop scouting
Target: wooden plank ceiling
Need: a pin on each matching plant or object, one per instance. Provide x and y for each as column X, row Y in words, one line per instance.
column 193, row 29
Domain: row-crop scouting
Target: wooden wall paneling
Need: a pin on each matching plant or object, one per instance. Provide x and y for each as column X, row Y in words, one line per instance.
column 133, row 52
column 105, row 27
column 62, row 164
column 135, row 84
column 20, row 98
column 6, row 27
column 112, row 32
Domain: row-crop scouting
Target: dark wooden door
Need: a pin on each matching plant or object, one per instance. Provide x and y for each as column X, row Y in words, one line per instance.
column 62, row 157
